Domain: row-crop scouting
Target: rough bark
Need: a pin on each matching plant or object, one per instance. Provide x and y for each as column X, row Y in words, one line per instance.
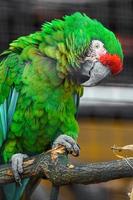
column 55, row 166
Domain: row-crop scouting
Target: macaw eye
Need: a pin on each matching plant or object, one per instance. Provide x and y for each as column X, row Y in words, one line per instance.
column 97, row 46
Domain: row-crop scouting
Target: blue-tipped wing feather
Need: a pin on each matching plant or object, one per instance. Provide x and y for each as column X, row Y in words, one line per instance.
column 7, row 110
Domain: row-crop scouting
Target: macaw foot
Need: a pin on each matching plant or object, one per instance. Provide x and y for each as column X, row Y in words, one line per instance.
column 17, row 166
column 69, row 143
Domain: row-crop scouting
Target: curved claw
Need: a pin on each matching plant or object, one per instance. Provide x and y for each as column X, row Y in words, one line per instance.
column 69, row 143
column 17, row 166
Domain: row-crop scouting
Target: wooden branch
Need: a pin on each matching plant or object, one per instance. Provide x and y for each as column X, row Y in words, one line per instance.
column 55, row 166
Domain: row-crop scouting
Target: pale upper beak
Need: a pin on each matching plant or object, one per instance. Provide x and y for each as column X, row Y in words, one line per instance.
column 96, row 72
column 89, row 74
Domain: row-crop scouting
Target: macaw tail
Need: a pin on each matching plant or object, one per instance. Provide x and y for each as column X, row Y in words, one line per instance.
column 14, row 192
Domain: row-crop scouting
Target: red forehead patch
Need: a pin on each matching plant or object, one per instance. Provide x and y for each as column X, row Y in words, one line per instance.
column 113, row 62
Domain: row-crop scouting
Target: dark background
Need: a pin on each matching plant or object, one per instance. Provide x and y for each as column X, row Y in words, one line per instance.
column 101, row 124
column 21, row 17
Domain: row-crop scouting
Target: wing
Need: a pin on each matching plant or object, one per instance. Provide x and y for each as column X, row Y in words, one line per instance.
column 7, row 110
column 8, row 93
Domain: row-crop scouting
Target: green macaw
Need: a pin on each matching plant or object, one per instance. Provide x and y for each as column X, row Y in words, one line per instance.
column 41, row 77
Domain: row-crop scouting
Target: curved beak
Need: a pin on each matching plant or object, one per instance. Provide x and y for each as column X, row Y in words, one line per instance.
column 96, row 73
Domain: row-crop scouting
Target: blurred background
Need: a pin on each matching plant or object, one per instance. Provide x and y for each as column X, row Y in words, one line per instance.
column 106, row 111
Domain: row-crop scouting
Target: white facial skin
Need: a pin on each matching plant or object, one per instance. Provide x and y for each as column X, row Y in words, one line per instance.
column 97, row 70
column 96, row 49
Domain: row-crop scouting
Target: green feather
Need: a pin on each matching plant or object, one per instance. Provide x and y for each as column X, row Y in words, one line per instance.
column 36, row 97
column 37, row 66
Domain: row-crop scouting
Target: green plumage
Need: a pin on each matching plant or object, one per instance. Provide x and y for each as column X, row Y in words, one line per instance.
column 45, row 105
column 37, row 66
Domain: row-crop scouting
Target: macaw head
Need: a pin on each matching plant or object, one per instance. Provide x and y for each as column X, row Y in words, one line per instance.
column 84, row 50
column 98, row 64
column 94, row 49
